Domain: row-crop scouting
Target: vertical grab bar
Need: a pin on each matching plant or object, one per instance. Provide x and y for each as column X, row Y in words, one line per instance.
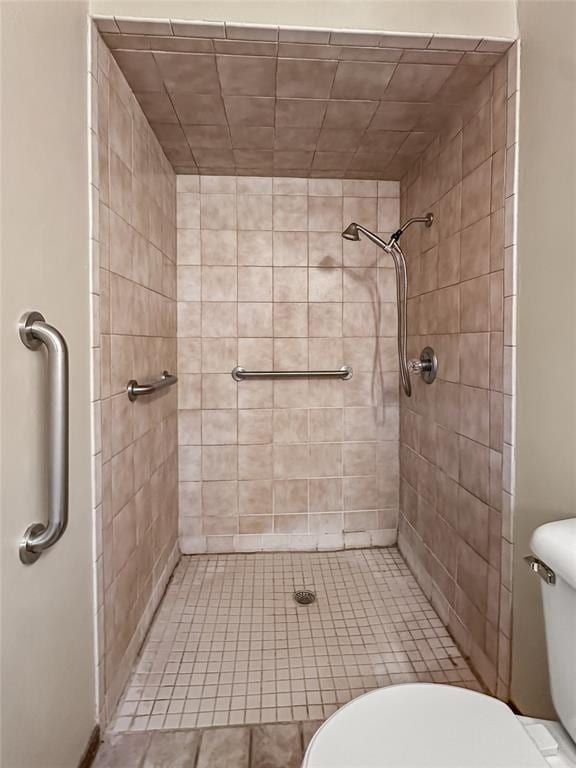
column 35, row 332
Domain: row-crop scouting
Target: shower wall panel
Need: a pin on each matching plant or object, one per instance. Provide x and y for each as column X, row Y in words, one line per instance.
column 456, row 435
column 265, row 281
column 134, row 337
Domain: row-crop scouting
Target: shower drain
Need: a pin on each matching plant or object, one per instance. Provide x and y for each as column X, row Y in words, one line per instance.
column 304, row 597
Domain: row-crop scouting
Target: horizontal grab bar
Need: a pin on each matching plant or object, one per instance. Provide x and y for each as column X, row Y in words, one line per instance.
column 137, row 390
column 239, row 374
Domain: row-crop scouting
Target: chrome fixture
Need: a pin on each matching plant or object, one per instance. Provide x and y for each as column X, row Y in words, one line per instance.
column 540, row 567
column 304, row 597
column 427, row 364
column 34, row 332
column 137, row 390
column 239, row 374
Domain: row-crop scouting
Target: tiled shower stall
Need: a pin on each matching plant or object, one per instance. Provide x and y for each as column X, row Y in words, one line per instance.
column 264, row 282
column 226, row 161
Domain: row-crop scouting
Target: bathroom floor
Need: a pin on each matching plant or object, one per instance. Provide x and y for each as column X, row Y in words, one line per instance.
column 230, row 646
column 279, row 745
column 258, row 746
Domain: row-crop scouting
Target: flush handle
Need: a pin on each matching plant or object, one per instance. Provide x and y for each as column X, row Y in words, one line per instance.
column 544, row 571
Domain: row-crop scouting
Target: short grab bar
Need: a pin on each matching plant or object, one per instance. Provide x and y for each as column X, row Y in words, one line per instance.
column 239, row 374
column 38, row 537
column 137, row 390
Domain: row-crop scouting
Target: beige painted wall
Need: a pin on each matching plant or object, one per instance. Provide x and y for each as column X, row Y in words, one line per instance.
column 460, row 17
column 47, row 660
column 546, row 416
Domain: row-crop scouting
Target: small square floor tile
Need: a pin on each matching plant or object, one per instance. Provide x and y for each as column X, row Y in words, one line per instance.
column 230, row 646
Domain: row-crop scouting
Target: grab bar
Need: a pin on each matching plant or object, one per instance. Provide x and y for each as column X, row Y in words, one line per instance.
column 137, row 390
column 239, row 374
column 35, row 331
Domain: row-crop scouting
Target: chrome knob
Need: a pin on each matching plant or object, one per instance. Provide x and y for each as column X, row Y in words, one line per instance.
column 426, row 365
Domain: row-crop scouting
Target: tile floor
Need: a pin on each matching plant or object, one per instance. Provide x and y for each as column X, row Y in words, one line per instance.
column 229, row 646
column 258, row 746
column 281, row 745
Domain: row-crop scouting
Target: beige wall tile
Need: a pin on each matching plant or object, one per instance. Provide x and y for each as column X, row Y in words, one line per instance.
column 326, row 424
column 291, row 354
column 475, row 249
column 325, row 459
column 265, row 292
column 325, row 214
column 290, row 319
column 218, row 211
column 452, row 434
column 254, row 462
column 325, row 319
column 219, row 319
column 290, row 425
column 254, row 248
column 218, row 391
column 325, row 284
column 219, row 355
column 254, row 319
column 255, row 426
column 255, row 497
column 254, row 212
column 475, row 305
column 254, row 284
column 290, row 284
column 325, row 494
column 290, row 213
column 219, row 427
column 221, row 498
column 218, row 247
column 218, row 284
column 325, row 249
column 256, row 354
column 220, row 462
column 290, row 249
column 290, row 496
column 137, row 285
column 476, row 194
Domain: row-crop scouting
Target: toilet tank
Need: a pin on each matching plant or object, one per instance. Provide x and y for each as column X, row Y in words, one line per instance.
column 555, row 544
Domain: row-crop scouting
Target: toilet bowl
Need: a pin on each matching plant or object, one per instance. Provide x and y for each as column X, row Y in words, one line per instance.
column 427, row 725
column 423, row 725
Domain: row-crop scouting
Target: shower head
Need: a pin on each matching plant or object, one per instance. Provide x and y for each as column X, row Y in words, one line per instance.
column 351, row 232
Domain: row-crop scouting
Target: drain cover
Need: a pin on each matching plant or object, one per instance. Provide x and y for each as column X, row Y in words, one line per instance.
column 304, row 597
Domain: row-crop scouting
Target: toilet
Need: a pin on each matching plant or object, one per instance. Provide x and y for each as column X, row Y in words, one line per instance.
column 426, row 725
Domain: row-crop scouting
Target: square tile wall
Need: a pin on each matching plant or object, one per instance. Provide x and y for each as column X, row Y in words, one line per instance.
column 266, row 281
column 263, row 100
column 133, row 296
column 457, row 457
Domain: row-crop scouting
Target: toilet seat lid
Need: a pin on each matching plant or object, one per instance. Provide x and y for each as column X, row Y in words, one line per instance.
column 423, row 725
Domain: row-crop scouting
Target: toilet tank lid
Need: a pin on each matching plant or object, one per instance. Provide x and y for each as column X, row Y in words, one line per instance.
column 555, row 544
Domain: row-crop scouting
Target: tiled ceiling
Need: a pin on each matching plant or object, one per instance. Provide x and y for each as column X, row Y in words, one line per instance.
column 263, row 100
